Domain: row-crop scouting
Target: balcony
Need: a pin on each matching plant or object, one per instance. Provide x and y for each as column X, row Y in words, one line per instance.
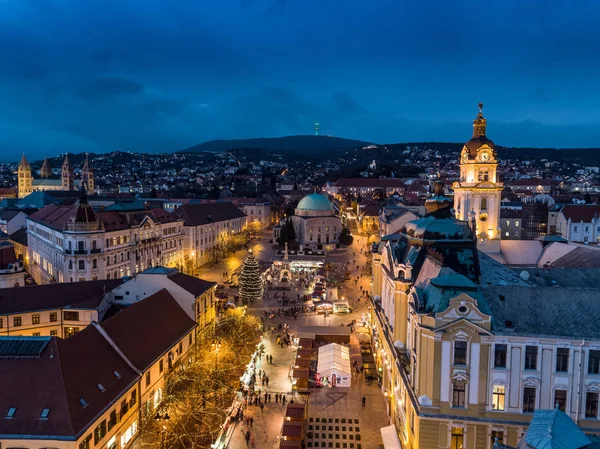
column 80, row 252
column 68, row 251
column 96, row 251
column 149, row 240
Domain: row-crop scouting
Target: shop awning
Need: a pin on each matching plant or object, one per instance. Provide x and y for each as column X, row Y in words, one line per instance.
column 390, row 437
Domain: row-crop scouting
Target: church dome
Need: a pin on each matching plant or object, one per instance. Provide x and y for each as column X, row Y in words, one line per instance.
column 83, row 213
column 315, row 202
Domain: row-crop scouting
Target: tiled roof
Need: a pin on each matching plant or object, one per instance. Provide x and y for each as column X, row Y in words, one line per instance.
column 581, row 212
column 19, row 237
column 201, row 214
column 65, row 372
column 295, row 410
column 80, row 295
column 192, row 284
column 57, row 217
column 292, row 429
column 369, row 182
column 544, row 311
column 140, row 330
column 553, row 429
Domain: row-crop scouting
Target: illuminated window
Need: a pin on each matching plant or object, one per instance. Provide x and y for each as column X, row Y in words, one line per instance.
column 457, row 438
column 498, row 394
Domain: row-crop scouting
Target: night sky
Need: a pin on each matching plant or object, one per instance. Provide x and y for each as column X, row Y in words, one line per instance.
column 162, row 75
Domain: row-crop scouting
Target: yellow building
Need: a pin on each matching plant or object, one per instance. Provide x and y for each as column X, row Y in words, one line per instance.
column 96, row 388
column 467, row 349
column 477, row 195
column 26, row 184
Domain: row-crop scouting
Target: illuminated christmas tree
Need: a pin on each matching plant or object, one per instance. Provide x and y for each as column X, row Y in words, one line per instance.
column 251, row 283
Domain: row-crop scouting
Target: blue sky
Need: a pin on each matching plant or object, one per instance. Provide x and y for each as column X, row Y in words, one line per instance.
column 150, row 75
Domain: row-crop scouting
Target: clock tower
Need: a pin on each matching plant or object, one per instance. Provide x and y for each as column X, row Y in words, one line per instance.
column 478, row 193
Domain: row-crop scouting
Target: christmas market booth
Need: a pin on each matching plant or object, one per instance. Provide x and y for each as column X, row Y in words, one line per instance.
column 334, row 364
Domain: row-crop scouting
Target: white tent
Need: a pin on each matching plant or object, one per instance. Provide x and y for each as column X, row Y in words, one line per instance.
column 390, row 437
column 333, row 360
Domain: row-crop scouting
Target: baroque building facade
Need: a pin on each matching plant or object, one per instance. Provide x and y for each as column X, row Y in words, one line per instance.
column 76, row 243
column 26, row 184
column 467, row 349
column 477, row 194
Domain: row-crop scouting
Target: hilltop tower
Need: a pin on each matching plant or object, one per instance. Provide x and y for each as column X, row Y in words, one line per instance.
column 87, row 175
column 45, row 171
column 25, row 181
column 68, row 176
column 316, row 128
column 478, row 193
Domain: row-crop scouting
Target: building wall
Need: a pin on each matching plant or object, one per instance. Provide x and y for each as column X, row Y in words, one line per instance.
column 139, row 399
column 511, row 228
column 204, row 242
column 420, row 368
column 201, row 309
column 71, row 256
column 314, row 230
column 578, row 232
column 52, row 322
column 257, row 212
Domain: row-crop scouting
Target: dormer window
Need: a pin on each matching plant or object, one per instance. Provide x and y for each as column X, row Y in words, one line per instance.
column 45, row 413
column 117, row 374
column 83, row 403
column 11, row 413
column 101, row 388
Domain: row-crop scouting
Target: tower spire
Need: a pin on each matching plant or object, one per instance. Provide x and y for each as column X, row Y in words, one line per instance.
column 479, row 123
column 24, row 162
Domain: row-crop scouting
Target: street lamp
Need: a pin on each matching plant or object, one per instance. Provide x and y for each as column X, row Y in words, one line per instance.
column 193, row 261
column 163, row 430
column 216, row 346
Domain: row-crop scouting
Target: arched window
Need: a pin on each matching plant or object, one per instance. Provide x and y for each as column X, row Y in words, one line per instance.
column 483, row 203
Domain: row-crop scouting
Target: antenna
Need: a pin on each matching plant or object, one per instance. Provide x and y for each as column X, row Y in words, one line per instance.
column 316, row 128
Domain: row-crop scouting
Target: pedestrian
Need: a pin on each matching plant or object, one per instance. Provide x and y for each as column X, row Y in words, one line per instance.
column 267, row 382
column 262, row 407
column 251, row 421
column 364, row 401
column 252, row 441
column 276, row 398
column 247, row 438
column 283, row 400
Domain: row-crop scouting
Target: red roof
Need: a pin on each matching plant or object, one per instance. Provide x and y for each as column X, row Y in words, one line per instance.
column 305, row 343
column 201, row 214
column 292, row 429
column 290, row 444
column 63, row 373
column 369, row 182
column 295, row 410
column 581, row 212
column 192, row 284
column 78, row 295
column 140, row 330
column 301, row 373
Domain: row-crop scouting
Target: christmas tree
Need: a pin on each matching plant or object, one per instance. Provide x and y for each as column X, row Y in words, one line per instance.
column 251, row 284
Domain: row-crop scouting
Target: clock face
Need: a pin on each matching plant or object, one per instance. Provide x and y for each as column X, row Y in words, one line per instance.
column 484, row 157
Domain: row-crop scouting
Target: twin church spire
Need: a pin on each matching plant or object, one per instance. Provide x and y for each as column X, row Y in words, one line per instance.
column 26, row 184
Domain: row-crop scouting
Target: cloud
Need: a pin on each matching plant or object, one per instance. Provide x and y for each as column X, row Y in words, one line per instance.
column 110, row 85
column 346, row 103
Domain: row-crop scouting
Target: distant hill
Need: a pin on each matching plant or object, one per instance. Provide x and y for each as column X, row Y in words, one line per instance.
column 307, row 144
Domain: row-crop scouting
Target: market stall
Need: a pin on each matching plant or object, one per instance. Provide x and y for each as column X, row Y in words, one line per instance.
column 334, row 364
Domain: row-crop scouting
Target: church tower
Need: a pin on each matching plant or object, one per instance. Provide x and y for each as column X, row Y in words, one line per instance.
column 87, row 175
column 478, row 193
column 45, row 171
column 25, row 181
column 68, row 176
